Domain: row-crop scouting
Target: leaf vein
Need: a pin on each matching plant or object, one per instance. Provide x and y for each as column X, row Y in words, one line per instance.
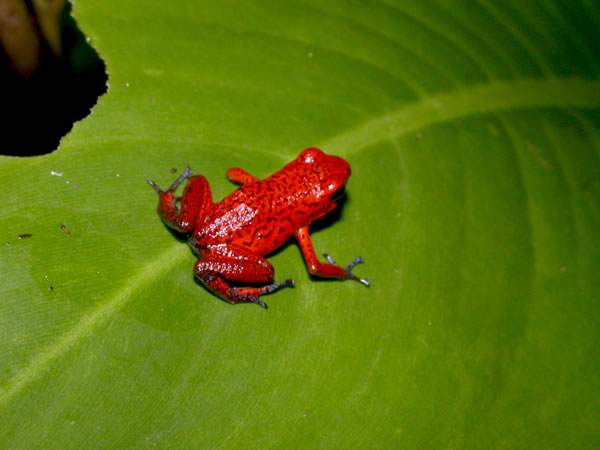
column 93, row 319
column 480, row 99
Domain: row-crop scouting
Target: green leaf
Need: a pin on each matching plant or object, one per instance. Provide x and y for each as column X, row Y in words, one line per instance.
column 473, row 131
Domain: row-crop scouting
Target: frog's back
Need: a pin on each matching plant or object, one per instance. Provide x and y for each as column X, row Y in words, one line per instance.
column 264, row 214
column 260, row 216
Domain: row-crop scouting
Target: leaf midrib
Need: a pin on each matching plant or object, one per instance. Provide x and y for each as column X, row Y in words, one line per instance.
column 90, row 321
column 488, row 98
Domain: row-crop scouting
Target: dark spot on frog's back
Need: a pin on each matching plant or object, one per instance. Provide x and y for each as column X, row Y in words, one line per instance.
column 265, row 233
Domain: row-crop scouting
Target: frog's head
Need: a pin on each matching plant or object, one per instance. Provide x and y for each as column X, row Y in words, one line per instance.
column 332, row 172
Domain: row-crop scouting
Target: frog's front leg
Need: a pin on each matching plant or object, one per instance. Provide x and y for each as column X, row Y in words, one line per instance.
column 223, row 264
column 326, row 270
column 195, row 200
column 240, row 176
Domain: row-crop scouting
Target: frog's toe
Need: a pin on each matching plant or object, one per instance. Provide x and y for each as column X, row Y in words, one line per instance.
column 154, row 186
column 364, row 281
column 258, row 301
column 180, row 179
column 357, row 260
column 349, row 267
column 273, row 287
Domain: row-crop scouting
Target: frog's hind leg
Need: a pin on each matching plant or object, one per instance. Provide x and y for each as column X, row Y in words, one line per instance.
column 195, row 200
column 329, row 269
column 221, row 265
column 240, row 176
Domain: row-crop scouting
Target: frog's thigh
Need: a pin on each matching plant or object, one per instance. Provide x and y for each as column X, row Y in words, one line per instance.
column 234, row 263
column 195, row 200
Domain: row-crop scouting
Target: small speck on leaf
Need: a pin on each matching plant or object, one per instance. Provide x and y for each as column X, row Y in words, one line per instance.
column 25, row 236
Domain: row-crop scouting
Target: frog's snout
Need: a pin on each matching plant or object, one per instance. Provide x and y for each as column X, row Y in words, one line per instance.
column 341, row 167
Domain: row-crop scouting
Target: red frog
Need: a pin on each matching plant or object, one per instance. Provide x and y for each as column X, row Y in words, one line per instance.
column 232, row 236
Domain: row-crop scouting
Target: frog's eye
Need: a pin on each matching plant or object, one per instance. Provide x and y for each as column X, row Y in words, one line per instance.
column 338, row 193
column 310, row 155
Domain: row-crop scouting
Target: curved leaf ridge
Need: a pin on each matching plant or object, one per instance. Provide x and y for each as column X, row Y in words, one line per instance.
column 89, row 322
column 480, row 99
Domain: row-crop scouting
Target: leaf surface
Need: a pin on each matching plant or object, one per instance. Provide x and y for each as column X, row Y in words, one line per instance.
column 473, row 131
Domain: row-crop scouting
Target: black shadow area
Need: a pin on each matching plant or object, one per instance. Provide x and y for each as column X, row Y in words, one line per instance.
column 41, row 108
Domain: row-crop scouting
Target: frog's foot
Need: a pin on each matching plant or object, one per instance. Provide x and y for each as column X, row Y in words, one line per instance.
column 181, row 213
column 252, row 294
column 180, row 179
column 348, row 268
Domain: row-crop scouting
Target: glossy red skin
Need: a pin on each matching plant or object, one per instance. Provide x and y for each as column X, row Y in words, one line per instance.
column 232, row 235
column 264, row 214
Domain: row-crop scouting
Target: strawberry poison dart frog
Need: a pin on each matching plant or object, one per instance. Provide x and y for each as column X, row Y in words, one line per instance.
column 232, row 236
